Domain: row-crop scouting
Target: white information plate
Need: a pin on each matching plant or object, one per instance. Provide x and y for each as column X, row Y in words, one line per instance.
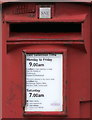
column 45, row 12
column 44, row 82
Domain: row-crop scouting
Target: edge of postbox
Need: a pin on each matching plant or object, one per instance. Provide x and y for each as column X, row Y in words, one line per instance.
column 81, row 1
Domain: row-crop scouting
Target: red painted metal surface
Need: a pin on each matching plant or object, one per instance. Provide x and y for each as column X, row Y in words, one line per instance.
column 77, row 70
column 91, row 64
column 5, row 1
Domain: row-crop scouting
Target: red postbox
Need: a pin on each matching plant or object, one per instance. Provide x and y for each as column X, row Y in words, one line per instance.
column 46, row 52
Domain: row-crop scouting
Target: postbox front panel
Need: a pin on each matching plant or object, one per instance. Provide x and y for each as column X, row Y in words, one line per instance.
column 46, row 71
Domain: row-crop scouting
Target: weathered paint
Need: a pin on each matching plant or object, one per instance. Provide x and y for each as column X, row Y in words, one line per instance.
column 5, row 1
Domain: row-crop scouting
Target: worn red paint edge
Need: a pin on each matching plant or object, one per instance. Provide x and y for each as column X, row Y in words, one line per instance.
column 85, row 1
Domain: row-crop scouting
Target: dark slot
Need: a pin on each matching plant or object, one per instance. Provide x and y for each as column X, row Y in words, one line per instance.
column 45, row 27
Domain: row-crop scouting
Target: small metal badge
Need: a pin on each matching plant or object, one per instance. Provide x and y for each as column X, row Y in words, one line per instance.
column 45, row 12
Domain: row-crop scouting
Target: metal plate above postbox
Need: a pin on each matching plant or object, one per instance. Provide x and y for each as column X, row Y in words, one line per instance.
column 45, row 12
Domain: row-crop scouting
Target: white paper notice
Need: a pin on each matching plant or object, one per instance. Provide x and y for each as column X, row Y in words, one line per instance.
column 44, row 82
